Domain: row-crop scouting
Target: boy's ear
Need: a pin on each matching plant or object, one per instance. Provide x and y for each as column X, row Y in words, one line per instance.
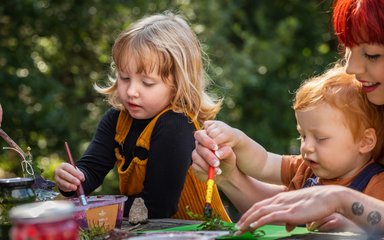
column 368, row 140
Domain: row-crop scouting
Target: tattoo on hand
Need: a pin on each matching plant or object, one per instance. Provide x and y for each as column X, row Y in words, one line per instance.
column 357, row 208
column 374, row 217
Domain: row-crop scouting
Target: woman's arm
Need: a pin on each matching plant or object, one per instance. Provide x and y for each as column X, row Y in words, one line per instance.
column 310, row 204
column 251, row 158
column 242, row 190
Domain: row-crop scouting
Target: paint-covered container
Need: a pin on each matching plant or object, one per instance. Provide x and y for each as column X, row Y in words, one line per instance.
column 43, row 221
column 104, row 211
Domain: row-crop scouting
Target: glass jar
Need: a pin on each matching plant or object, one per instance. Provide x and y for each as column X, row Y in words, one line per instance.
column 13, row 192
column 44, row 221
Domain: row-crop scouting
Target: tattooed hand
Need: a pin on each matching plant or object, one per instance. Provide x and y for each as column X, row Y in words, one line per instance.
column 334, row 222
column 324, row 208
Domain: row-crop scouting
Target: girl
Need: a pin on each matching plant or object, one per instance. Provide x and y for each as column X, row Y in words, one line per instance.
column 359, row 27
column 158, row 99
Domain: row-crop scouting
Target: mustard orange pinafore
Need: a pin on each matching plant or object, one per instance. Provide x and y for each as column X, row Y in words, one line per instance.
column 132, row 178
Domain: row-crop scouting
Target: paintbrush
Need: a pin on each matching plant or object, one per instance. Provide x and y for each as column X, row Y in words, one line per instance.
column 208, row 197
column 11, row 143
column 80, row 190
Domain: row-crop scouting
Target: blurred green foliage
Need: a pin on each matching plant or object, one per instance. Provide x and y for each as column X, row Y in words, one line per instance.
column 52, row 52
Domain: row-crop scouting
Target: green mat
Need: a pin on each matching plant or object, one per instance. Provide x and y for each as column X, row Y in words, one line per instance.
column 271, row 231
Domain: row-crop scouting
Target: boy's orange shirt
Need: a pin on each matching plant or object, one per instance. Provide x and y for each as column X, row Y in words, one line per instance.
column 294, row 173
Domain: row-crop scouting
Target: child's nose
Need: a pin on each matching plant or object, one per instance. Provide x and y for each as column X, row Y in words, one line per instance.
column 133, row 90
column 307, row 146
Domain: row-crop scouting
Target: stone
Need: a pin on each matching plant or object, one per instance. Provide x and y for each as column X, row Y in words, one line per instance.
column 138, row 212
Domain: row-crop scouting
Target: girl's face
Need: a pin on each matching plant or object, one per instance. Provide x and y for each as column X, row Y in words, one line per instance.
column 327, row 144
column 143, row 95
column 366, row 61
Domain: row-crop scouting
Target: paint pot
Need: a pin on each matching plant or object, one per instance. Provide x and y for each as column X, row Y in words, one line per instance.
column 43, row 221
column 105, row 211
column 13, row 192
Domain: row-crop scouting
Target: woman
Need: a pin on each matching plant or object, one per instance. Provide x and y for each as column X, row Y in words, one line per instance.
column 359, row 26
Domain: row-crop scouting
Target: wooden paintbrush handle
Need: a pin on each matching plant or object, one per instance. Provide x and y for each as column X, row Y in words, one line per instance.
column 80, row 189
column 10, row 142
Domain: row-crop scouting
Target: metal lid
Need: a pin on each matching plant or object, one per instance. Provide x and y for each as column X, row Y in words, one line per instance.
column 39, row 212
column 16, row 182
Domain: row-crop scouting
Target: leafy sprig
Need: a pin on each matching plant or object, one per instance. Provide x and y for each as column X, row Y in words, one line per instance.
column 214, row 223
column 94, row 232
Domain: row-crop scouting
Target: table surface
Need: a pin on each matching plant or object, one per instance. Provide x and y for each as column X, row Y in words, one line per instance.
column 157, row 224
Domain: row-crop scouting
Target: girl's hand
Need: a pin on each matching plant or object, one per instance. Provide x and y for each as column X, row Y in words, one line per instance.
column 68, row 178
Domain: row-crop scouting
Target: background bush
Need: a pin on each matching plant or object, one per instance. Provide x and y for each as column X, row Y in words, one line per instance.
column 52, row 52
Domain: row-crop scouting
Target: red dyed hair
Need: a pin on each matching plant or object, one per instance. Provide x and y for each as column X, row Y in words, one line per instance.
column 359, row 21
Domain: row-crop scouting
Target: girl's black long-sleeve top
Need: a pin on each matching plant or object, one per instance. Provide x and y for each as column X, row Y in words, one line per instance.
column 169, row 158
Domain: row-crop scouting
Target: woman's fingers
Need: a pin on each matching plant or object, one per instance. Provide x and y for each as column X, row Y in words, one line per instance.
column 198, row 163
column 334, row 222
column 204, row 154
column 273, row 210
column 204, row 140
column 266, row 215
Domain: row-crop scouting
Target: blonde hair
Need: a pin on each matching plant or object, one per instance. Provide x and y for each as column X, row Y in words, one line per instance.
column 166, row 42
column 342, row 91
